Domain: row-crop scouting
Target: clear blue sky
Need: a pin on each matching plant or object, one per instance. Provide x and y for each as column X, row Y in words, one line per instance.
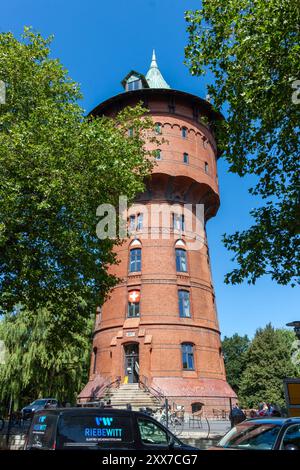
column 99, row 42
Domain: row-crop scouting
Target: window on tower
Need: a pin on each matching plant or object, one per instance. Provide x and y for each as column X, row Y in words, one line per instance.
column 158, row 154
column 131, row 223
column 184, row 132
column 178, row 221
column 134, row 85
column 95, row 350
column 187, row 352
column 139, row 224
column 135, row 260
column 184, row 304
column 133, row 304
column 206, row 167
column 157, row 128
column 186, row 158
column 181, row 264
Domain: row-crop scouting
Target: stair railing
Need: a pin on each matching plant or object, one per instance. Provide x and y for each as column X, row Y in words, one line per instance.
column 155, row 392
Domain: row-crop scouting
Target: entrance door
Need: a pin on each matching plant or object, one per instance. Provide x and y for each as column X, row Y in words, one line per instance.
column 131, row 352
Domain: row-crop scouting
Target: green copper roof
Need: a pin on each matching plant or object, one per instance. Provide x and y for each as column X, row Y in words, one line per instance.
column 154, row 77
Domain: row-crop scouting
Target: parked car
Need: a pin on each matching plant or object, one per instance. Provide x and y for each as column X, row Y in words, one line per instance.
column 263, row 434
column 40, row 404
column 99, row 428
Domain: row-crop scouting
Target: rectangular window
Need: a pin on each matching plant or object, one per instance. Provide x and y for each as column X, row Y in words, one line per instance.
column 135, row 260
column 184, row 304
column 206, row 167
column 186, row 158
column 184, row 132
column 133, row 309
column 134, row 85
column 132, row 222
column 139, row 225
column 181, row 264
column 178, row 222
column 187, row 351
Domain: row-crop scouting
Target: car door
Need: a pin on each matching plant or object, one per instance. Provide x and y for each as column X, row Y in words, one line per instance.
column 291, row 438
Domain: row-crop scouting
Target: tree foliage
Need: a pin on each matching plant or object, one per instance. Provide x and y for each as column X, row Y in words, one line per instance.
column 252, row 48
column 234, row 349
column 268, row 362
column 45, row 355
column 56, row 167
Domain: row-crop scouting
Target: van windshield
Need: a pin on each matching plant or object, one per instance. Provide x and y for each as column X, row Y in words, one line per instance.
column 42, row 431
column 93, row 430
column 39, row 402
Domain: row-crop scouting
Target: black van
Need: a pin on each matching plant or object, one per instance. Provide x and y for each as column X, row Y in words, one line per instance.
column 99, row 428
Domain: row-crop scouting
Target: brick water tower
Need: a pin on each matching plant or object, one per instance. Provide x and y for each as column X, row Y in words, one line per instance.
column 159, row 327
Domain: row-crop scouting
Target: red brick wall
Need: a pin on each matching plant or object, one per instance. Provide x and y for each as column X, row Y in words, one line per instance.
column 159, row 330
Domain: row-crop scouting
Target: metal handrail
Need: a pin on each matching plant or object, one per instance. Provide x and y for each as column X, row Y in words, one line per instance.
column 157, row 393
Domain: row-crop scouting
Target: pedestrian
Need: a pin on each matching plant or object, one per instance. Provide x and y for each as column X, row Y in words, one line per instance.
column 263, row 409
column 236, row 415
column 253, row 414
column 274, row 411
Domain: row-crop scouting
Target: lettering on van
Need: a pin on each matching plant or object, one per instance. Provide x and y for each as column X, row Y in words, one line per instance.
column 41, row 426
column 103, row 430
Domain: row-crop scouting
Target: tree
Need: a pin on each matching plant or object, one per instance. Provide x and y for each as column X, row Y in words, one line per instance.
column 252, row 49
column 234, row 350
column 45, row 355
column 57, row 166
column 268, row 362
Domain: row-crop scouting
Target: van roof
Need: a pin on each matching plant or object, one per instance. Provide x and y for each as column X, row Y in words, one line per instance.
column 91, row 410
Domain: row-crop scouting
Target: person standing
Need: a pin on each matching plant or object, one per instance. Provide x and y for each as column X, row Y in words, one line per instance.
column 236, row 415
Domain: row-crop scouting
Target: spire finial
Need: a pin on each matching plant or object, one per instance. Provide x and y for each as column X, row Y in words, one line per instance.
column 153, row 62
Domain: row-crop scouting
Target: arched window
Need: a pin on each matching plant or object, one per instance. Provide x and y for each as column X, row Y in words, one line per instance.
column 158, row 155
column 206, row 167
column 95, row 350
column 135, row 263
column 186, row 158
column 187, row 352
column 157, row 128
column 184, row 132
column 133, row 304
column 181, row 264
column 197, row 406
column 184, row 304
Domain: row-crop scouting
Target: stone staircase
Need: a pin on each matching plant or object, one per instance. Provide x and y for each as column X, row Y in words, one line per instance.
column 132, row 394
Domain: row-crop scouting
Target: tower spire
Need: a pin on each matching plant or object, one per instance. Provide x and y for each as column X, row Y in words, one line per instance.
column 153, row 62
column 154, row 76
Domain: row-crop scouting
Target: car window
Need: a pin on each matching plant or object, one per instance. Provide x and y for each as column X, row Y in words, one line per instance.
column 38, row 402
column 151, row 433
column 251, row 435
column 291, row 437
column 94, row 430
column 42, row 431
